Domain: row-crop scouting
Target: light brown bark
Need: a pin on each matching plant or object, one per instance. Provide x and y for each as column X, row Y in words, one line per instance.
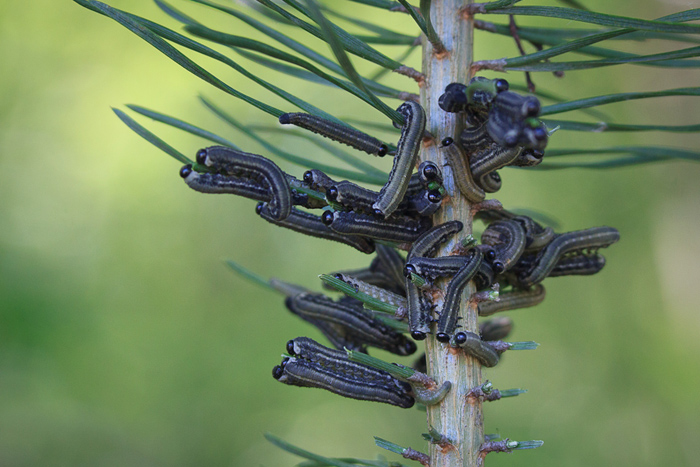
column 457, row 418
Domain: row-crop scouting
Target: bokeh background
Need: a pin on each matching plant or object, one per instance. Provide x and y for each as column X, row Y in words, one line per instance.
column 124, row 339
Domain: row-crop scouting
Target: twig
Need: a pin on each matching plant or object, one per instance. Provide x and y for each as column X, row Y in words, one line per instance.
column 514, row 32
column 414, row 455
column 495, row 65
column 416, row 75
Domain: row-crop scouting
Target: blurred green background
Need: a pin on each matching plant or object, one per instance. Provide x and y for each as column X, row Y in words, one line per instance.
column 124, row 340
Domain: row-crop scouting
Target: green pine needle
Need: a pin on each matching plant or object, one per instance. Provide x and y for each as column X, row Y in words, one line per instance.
column 384, row 71
column 431, row 34
column 302, row 161
column 423, row 22
column 601, row 127
column 175, row 13
column 384, row 4
column 525, row 345
column 142, row 29
column 634, row 155
column 382, row 33
column 612, row 98
column 377, row 88
column 417, row 18
column 512, row 392
column 518, row 445
column 418, row 280
column 296, row 46
column 153, row 139
column 399, row 372
column 370, row 302
column 555, row 36
column 168, row 34
column 174, row 122
column 248, row 274
column 668, row 59
column 333, row 38
column 603, row 19
column 664, row 153
column 388, row 445
column 607, row 164
column 388, row 321
column 290, row 448
column 518, row 63
column 562, row 48
column 499, row 4
column 350, row 43
column 283, row 68
column 386, row 40
column 574, row 4
column 260, row 47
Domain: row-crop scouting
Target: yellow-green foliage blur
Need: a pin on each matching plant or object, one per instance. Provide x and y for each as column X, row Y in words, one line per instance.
column 124, row 339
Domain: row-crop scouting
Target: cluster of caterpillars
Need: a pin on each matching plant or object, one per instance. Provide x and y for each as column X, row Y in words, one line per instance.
column 501, row 128
column 399, row 213
column 396, row 296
